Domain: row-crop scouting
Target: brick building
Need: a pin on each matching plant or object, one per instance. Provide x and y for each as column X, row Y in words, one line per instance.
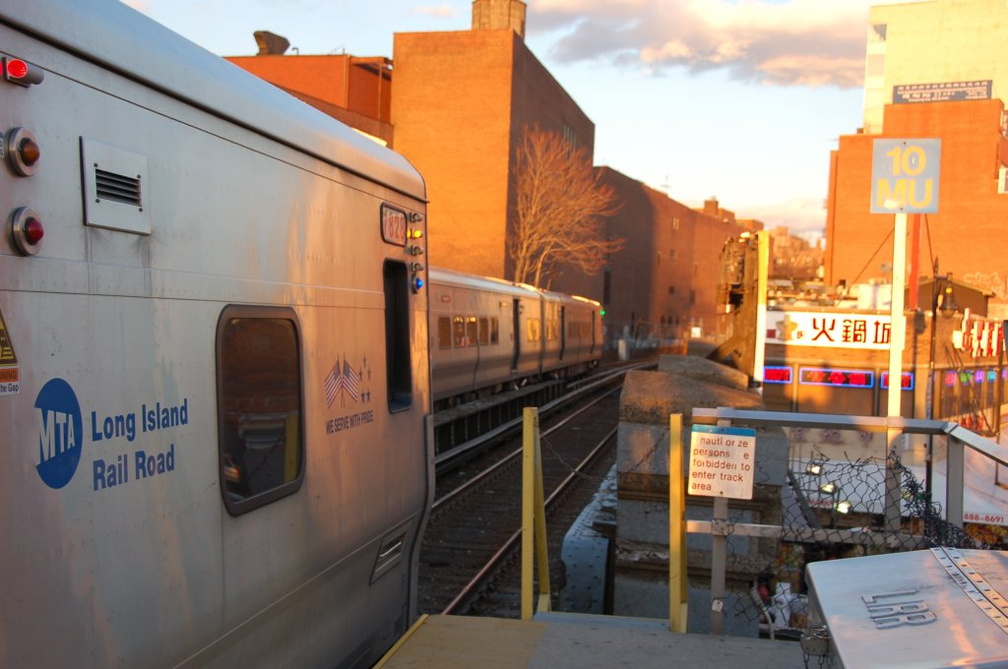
column 935, row 69
column 353, row 89
column 794, row 258
column 664, row 281
column 457, row 109
column 973, row 202
column 460, row 103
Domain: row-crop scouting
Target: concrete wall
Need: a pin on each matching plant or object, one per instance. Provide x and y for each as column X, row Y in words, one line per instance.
column 641, row 543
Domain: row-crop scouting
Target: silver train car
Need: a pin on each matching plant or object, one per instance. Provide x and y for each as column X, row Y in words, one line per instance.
column 488, row 334
column 214, row 376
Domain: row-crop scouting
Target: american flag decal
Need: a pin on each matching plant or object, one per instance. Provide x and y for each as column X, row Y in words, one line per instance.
column 350, row 381
column 331, row 385
column 343, row 380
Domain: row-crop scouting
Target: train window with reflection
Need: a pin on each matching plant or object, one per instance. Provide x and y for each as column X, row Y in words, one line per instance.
column 458, row 331
column 444, row 332
column 259, row 406
column 472, row 333
column 494, row 330
column 534, row 332
column 484, row 330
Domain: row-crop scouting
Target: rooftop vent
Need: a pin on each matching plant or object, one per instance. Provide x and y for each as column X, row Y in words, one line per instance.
column 270, row 44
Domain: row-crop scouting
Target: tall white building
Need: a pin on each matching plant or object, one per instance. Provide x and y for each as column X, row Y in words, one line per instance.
column 935, row 49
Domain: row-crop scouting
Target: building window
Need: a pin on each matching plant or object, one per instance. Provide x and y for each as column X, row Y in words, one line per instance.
column 570, row 138
column 875, row 66
column 675, row 224
column 878, row 32
column 1002, row 179
column 259, row 406
column 671, row 290
column 672, row 254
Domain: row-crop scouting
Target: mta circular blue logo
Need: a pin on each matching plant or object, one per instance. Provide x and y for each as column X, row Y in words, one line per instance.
column 61, row 433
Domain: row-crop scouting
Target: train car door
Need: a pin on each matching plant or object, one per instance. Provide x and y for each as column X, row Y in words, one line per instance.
column 563, row 331
column 594, row 342
column 515, row 333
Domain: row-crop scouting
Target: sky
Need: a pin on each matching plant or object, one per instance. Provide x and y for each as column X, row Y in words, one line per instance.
column 739, row 100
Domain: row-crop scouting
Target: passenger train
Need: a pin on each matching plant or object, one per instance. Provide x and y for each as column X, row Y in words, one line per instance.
column 214, row 368
column 489, row 334
column 216, row 358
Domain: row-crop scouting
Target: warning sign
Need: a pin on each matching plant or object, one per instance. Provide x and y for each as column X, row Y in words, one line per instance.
column 721, row 461
column 10, row 373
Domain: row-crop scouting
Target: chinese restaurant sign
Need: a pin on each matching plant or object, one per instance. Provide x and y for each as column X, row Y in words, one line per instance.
column 836, row 330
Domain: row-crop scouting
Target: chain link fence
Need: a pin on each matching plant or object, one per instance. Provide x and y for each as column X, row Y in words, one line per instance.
column 836, row 501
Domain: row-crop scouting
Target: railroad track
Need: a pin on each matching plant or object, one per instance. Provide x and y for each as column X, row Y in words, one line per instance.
column 474, row 531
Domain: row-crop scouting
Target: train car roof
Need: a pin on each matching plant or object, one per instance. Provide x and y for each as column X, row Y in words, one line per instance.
column 122, row 39
column 455, row 278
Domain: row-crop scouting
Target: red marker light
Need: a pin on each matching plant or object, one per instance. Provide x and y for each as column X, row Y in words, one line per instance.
column 26, row 230
column 33, row 231
column 19, row 72
column 17, row 69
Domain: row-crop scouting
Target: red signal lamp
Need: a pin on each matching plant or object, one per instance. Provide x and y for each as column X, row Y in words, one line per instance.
column 27, row 230
column 21, row 72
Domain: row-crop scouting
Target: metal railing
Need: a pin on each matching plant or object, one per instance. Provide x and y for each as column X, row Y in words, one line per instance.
column 884, row 507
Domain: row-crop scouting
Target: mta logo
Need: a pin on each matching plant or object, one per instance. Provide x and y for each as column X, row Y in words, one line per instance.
column 60, row 433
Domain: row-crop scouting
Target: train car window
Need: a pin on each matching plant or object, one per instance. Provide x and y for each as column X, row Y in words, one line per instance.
column 534, row 332
column 484, row 331
column 259, row 406
column 472, row 333
column 444, row 332
column 458, row 331
column 494, row 330
column 398, row 364
column 551, row 330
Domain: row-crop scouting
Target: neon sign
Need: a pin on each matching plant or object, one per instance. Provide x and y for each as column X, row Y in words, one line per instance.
column 906, row 380
column 777, row 374
column 837, row 378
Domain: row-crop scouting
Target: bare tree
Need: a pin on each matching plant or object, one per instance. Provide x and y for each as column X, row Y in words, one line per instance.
column 562, row 205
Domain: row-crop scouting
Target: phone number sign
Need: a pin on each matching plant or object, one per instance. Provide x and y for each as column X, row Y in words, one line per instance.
column 905, row 176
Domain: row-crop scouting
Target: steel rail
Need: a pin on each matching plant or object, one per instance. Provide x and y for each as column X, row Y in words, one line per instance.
column 510, row 545
column 444, row 461
column 485, row 474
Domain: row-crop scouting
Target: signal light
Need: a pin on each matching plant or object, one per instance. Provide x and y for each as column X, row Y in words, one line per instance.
column 23, row 151
column 33, row 231
column 601, row 312
column 20, row 72
column 27, row 230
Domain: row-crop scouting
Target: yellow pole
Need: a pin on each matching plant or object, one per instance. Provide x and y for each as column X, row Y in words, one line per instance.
column 678, row 586
column 533, row 537
column 530, row 420
column 541, row 545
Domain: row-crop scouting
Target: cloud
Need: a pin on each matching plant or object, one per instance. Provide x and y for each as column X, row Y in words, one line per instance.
column 804, row 217
column 444, row 11
column 776, row 42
